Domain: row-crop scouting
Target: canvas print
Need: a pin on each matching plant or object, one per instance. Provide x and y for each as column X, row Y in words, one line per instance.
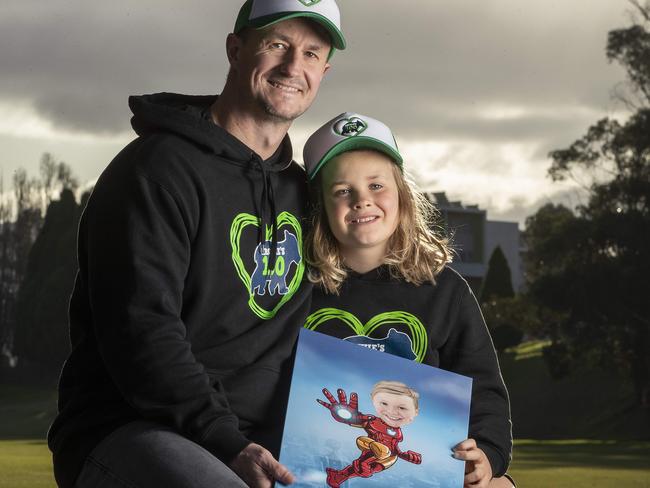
column 359, row 418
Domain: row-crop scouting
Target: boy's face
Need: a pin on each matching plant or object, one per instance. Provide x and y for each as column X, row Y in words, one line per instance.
column 361, row 201
column 395, row 410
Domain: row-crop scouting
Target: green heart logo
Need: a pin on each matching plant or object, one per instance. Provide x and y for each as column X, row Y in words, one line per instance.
column 417, row 331
column 238, row 225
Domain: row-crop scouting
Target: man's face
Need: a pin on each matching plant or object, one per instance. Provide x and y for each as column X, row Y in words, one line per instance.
column 278, row 69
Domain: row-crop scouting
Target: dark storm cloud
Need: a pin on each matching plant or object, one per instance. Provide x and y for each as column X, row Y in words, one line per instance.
column 428, row 68
column 77, row 62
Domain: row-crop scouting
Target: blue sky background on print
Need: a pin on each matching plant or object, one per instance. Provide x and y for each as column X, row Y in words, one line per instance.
column 313, row 440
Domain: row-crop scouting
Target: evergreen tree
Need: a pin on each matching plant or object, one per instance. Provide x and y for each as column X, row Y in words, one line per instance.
column 502, row 310
column 498, row 279
column 42, row 306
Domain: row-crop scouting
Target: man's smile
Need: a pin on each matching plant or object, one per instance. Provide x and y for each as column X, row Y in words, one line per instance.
column 284, row 87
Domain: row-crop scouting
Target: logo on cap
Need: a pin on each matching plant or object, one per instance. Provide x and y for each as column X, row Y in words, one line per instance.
column 309, row 3
column 350, row 127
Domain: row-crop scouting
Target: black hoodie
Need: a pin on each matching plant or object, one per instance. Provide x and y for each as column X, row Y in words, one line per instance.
column 188, row 298
column 440, row 325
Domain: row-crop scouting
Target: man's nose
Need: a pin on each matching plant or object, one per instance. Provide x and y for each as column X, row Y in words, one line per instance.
column 291, row 63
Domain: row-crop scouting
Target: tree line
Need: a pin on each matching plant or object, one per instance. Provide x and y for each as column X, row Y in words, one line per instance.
column 38, row 223
column 588, row 269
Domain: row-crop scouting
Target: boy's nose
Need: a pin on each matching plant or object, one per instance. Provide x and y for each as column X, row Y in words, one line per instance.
column 361, row 203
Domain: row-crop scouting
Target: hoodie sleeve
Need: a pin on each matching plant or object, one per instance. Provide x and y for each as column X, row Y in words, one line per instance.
column 469, row 351
column 137, row 253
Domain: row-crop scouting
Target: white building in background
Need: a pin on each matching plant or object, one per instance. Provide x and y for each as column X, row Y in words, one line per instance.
column 474, row 238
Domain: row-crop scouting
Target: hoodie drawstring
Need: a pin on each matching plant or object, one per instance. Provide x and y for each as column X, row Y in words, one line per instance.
column 268, row 197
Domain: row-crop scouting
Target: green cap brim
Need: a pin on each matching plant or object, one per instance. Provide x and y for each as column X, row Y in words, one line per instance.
column 357, row 142
column 338, row 41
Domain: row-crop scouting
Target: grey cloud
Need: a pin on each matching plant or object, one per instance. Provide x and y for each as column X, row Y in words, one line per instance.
column 426, row 68
column 77, row 62
column 520, row 209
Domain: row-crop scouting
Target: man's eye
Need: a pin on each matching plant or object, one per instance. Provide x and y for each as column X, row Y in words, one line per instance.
column 277, row 45
column 311, row 54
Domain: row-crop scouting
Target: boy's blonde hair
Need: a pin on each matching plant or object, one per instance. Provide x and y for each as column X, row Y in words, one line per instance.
column 415, row 252
column 396, row 388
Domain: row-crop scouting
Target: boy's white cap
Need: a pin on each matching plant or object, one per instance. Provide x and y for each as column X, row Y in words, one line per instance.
column 260, row 13
column 346, row 132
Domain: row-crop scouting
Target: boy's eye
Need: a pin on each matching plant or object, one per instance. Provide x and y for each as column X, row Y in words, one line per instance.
column 342, row 192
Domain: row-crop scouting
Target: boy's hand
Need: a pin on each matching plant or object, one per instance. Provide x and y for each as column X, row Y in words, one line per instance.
column 259, row 469
column 478, row 471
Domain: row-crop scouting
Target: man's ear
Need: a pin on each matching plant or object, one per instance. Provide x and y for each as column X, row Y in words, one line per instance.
column 233, row 48
column 326, row 69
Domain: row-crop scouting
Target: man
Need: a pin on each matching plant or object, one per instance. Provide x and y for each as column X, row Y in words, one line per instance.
column 184, row 310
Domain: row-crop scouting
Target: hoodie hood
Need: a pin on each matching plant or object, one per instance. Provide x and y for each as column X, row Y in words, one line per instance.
column 189, row 117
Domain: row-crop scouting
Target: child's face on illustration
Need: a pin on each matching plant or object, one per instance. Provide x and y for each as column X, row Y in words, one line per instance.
column 361, row 200
column 395, row 410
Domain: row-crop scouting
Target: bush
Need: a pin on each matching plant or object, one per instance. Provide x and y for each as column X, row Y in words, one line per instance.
column 505, row 336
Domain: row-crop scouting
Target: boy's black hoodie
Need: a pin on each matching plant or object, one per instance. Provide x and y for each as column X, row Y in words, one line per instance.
column 440, row 325
column 187, row 300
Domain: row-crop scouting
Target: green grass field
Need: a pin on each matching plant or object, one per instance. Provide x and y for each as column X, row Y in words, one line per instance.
column 25, row 464
column 578, row 432
column 538, row 464
column 581, row 464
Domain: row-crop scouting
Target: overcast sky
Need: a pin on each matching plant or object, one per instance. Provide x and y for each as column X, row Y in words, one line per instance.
column 477, row 92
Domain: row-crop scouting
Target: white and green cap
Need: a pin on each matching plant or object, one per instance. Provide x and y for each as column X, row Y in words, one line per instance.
column 347, row 132
column 260, row 13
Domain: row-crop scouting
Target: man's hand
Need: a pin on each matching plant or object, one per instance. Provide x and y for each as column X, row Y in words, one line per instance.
column 478, row 471
column 259, row 469
column 341, row 410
